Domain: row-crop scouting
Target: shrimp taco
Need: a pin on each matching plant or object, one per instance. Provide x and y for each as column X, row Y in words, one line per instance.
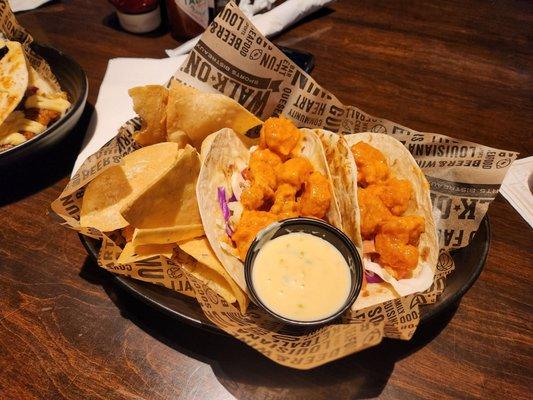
column 388, row 199
column 244, row 185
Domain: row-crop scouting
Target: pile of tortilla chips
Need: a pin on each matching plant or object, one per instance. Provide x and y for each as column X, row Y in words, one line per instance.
column 149, row 198
column 183, row 114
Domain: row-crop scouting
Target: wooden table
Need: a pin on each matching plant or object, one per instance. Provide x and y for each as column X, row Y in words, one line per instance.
column 459, row 68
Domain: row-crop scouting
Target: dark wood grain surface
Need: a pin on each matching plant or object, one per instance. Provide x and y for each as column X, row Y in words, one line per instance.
column 453, row 67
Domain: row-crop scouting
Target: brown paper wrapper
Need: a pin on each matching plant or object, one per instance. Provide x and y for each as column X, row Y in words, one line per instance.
column 233, row 58
column 12, row 30
column 464, row 178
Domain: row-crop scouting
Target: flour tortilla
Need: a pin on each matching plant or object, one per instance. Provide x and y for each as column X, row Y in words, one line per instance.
column 44, row 86
column 402, row 166
column 229, row 149
column 13, row 78
column 344, row 176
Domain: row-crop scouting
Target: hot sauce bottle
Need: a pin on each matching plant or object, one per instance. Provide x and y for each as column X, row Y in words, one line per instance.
column 138, row 16
column 189, row 18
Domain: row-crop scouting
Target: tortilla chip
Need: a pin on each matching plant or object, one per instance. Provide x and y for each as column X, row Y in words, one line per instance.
column 127, row 233
column 210, row 271
column 108, row 192
column 167, row 209
column 150, row 102
column 212, row 280
column 131, row 253
column 178, row 137
column 199, row 114
column 170, row 234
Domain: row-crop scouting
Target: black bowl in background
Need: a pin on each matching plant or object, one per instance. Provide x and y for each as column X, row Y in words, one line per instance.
column 73, row 80
column 316, row 228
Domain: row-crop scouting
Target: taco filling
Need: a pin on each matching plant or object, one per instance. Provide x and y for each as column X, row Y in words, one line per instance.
column 31, row 103
column 32, row 116
column 278, row 183
column 390, row 237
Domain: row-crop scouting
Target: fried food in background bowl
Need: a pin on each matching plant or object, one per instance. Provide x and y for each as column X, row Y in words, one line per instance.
column 35, row 113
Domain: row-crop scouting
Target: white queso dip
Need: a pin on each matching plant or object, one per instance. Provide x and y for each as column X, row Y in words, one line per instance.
column 301, row 277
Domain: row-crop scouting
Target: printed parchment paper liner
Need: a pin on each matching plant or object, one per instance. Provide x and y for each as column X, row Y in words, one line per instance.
column 464, row 179
column 12, row 30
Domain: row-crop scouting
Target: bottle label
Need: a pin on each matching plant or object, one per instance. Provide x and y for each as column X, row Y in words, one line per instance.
column 198, row 10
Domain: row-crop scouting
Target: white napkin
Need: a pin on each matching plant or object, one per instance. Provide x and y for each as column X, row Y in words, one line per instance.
column 515, row 188
column 269, row 23
column 23, row 5
column 113, row 106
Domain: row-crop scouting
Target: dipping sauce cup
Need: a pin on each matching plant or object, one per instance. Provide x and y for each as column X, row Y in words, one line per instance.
column 303, row 271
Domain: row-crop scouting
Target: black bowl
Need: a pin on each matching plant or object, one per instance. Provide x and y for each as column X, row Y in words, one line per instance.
column 73, row 80
column 469, row 262
column 317, row 228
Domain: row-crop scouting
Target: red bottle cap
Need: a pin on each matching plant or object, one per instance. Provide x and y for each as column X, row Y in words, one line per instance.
column 134, row 6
